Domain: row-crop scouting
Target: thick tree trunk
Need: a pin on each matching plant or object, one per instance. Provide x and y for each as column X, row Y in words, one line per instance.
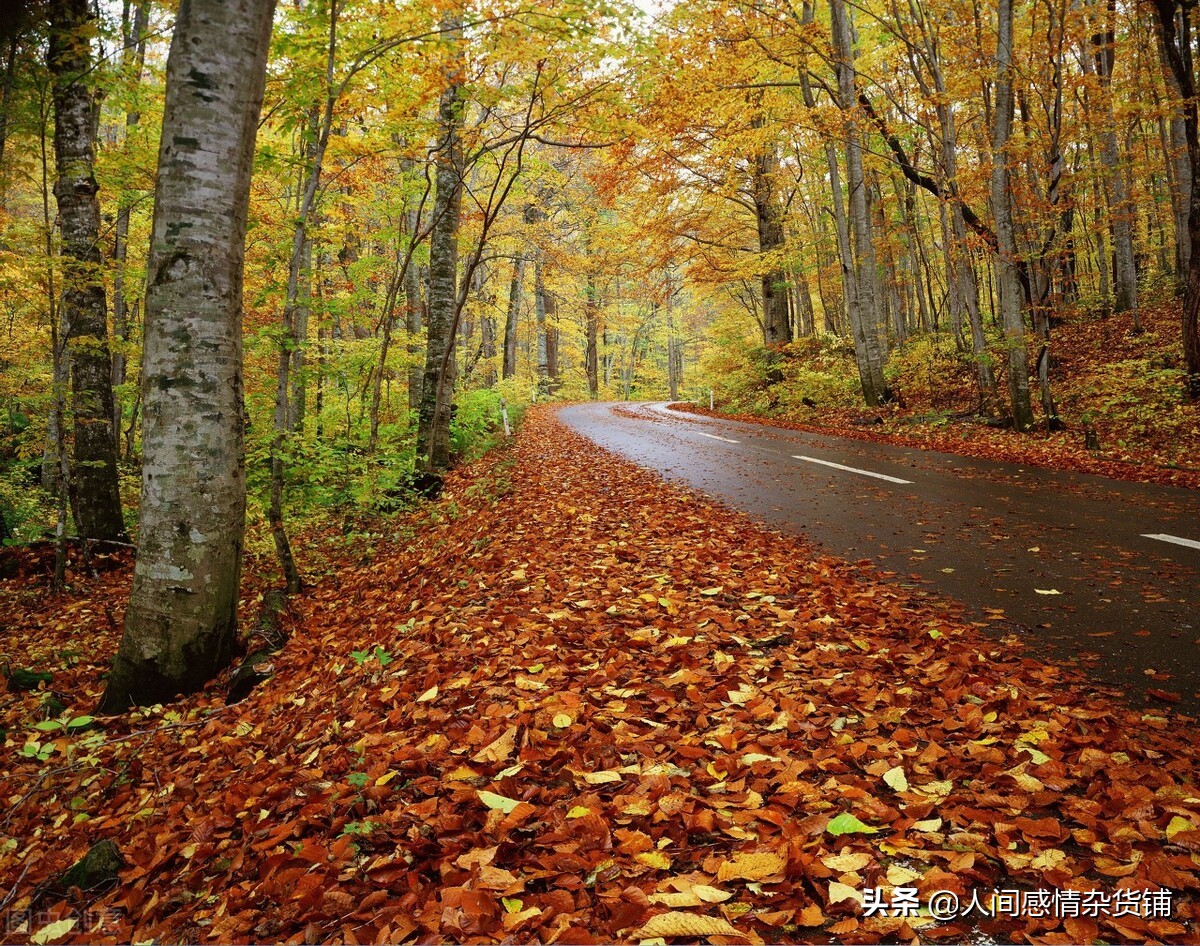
column 1006, row 245
column 865, row 319
column 777, row 326
column 182, row 617
column 1176, row 48
column 437, row 389
column 84, row 311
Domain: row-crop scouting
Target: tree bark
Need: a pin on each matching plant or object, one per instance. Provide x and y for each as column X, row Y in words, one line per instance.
column 865, row 308
column 510, row 321
column 777, row 327
column 1121, row 209
column 182, row 617
column 1176, row 48
column 84, row 310
column 1006, row 246
column 135, row 50
column 437, row 389
column 591, row 339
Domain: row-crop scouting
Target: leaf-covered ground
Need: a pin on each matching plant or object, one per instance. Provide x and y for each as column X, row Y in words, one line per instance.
column 581, row 705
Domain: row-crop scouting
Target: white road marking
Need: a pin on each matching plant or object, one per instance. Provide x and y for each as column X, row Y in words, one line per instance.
column 715, row 437
column 851, row 469
column 1174, row 539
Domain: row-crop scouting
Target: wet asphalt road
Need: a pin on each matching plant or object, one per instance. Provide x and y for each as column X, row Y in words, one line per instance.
column 996, row 537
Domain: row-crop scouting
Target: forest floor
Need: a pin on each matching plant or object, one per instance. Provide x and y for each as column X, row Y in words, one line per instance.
column 1121, row 384
column 571, row 703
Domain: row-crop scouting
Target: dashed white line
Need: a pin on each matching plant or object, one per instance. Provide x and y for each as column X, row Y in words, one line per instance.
column 715, row 437
column 851, row 469
column 1173, row 539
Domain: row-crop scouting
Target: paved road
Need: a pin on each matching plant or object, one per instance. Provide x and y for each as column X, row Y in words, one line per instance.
column 990, row 535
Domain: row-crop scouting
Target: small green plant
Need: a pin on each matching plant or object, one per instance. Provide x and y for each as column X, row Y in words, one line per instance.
column 37, row 750
column 358, row 779
column 358, row 828
column 360, row 657
column 65, row 724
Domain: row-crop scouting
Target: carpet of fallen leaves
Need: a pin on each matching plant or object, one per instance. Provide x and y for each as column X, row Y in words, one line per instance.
column 578, row 704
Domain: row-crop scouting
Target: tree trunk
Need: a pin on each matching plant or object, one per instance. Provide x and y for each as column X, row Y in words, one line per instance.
column 84, row 311
column 182, row 617
column 591, row 340
column 865, row 308
column 1006, row 247
column 510, row 321
column 135, row 49
column 1121, row 209
column 437, row 389
column 539, row 308
column 777, row 327
column 412, row 311
column 1176, row 47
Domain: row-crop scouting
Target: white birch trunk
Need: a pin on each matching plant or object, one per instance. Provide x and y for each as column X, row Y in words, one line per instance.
column 182, row 617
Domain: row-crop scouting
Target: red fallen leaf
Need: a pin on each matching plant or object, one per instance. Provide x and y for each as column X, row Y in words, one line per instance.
column 1082, row 929
column 1040, row 828
column 1166, row 696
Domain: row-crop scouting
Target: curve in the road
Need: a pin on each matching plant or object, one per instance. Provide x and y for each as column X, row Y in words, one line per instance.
column 1092, row 570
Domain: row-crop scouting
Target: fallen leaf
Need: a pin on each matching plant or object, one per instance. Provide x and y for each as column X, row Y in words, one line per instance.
column 846, row 823
column 689, row 925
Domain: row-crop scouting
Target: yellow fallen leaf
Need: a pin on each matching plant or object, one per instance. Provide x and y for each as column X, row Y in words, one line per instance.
column 940, row 789
column 56, row 930
column 601, row 778
column 429, row 695
column 1178, row 825
column 497, row 802
column 896, row 779
column 844, row 863
column 687, row 925
column 579, row 811
column 1050, row 859
column 758, row 866
column 562, row 720
column 655, row 859
column 500, row 749
column 839, row 892
column 899, row 876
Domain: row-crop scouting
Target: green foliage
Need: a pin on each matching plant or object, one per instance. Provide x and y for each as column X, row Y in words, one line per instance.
column 28, row 512
column 360, row 657
column 477, row 423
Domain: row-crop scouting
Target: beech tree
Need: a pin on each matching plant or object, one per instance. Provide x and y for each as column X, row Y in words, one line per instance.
column 182, row 617
column 83, row 311
column 1176, row 26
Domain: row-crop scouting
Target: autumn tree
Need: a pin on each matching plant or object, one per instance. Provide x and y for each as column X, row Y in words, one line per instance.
column 83, row 311
column 1176, row 29
column 182, row 617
